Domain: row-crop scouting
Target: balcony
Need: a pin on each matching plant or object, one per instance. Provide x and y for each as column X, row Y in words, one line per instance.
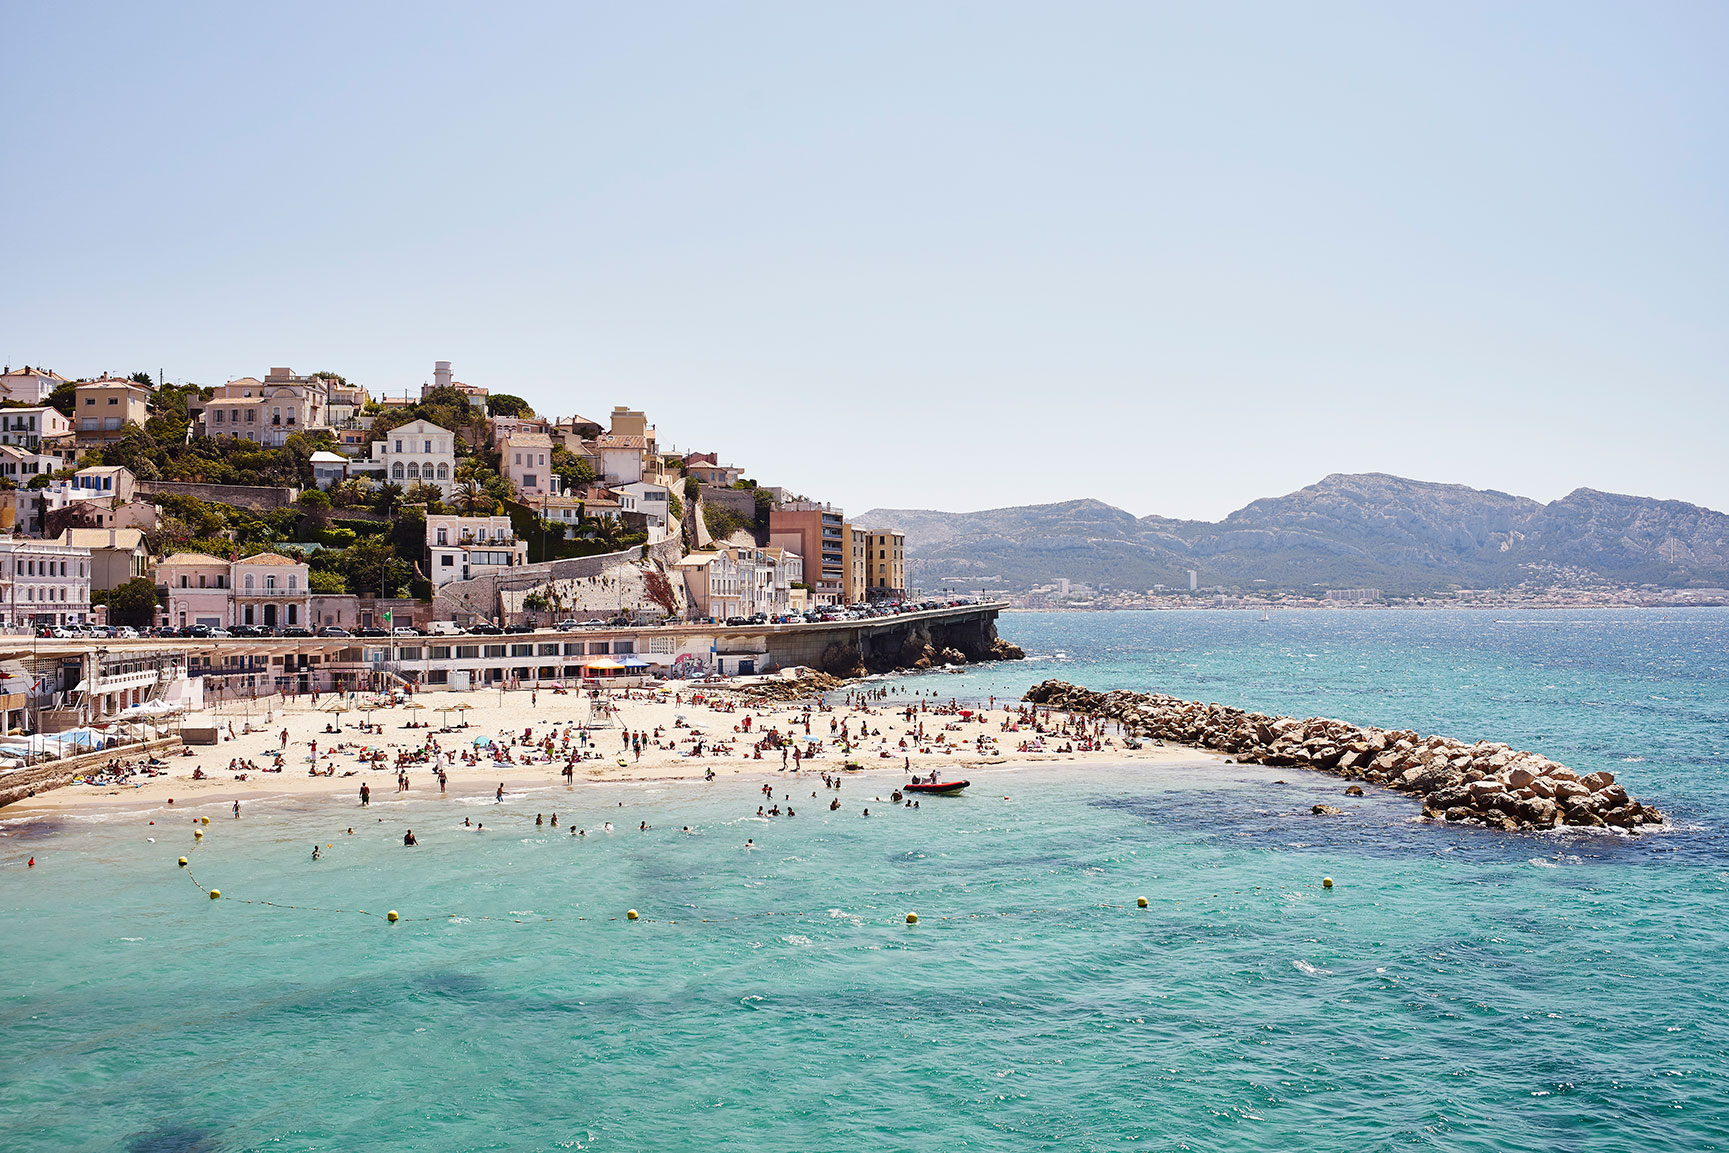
column 270, row 594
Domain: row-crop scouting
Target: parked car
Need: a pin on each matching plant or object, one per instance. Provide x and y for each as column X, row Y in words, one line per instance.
column 216, row 632
column 567, row 625
column 485, row 630
column 297, row 631
column 445, row 629
column 371, row 631
column 102, row 632
column 125, row 633
column 519, row 628
column 406, row 631
column 332, row 631
column 242, row 630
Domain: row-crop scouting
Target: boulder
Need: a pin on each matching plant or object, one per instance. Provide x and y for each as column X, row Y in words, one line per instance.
column 1354, row 791
column 1327, row 811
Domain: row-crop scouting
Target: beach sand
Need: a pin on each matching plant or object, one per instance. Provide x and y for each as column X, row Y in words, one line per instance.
column 718, row 717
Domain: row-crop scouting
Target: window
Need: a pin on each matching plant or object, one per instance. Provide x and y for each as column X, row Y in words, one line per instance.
column 114, row 400
column 90, row 401
column 443, row 536
column 218, row 416
column 252, row 416
column 399, row 446
column 396, row 471
column 293, row 580
column 467, row 652
column 444, row 472
column 447, row 560
column 270, row 582
column 248, row 582
column 428, row 447
column 413, row 470
column 529, row 480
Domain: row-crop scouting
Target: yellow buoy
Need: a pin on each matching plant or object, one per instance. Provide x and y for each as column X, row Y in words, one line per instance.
column 1140, row 902
column 215, row 893
column 630, row 914
column 391, row 916
column 1326, row 882
column 912, row 918
column 182, row 862
column 204, row 820
column 197, row 834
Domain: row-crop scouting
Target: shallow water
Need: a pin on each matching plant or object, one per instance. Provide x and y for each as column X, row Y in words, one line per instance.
column 1457, row 990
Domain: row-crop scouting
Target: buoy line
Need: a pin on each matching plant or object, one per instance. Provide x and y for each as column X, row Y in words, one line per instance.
column 632, row 915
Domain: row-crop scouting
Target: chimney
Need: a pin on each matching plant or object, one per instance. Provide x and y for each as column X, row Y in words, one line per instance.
column 441, row 374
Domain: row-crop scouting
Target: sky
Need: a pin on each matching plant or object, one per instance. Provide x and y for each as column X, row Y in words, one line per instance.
column 951, row 256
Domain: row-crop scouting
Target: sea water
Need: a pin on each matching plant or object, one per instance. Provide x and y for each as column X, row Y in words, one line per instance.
column 1457, row 989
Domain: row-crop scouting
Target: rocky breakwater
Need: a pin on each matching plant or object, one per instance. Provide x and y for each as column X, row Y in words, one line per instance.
column 1487, row 782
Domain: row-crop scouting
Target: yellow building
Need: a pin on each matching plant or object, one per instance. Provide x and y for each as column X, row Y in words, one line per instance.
column 886, row 562
column 105, row 407
column 855, row 549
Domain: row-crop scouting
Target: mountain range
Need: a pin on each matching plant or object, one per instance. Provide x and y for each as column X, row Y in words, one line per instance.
column 1347, row 531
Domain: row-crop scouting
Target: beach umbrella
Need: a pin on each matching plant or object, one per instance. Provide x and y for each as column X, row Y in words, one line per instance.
column 415, row 705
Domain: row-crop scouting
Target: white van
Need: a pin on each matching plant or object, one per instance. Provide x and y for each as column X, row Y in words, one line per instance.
column 445, row 629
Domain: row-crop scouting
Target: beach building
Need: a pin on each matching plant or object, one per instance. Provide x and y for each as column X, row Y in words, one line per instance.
column 27, row 427
column 29, row 385
column 43, row 583
column 462, row 547
column 103, row 408
column 418, row 452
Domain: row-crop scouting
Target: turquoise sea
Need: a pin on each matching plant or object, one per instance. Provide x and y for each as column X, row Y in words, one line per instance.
column 1457, row 989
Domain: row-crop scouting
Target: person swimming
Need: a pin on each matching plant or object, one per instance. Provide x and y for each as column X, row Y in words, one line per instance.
column 408, row 838
column 315, row 852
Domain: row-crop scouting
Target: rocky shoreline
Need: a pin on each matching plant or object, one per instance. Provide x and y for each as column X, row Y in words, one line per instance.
column 1487, row 783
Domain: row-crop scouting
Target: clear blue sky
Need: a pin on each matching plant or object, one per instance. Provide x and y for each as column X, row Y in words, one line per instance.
column 946, row 256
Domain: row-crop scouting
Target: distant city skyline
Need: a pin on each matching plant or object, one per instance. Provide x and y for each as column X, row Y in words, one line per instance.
column 953, row 257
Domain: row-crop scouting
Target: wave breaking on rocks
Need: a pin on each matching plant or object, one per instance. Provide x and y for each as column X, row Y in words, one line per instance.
column 1488, row 782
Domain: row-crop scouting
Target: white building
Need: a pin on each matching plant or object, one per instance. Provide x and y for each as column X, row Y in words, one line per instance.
column 418, row 452
column 29, row 385
column 652, row 500
column 26, row 427
column 43, row 583
column 460, row 547
column 740, row 582
column 526, row 460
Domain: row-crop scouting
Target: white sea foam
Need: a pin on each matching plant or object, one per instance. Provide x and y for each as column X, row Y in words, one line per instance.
column 1309, row 970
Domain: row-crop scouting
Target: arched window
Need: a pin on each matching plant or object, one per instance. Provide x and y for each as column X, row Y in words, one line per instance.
column 396, row 471
column 413, row 470
column 444, row 472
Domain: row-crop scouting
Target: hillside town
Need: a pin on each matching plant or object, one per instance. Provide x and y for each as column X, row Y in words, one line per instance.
column 305, row 505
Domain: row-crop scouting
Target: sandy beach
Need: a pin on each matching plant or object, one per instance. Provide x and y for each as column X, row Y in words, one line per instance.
column 478, row 740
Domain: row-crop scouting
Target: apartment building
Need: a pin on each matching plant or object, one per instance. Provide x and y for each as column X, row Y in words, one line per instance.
column 23, row 465
column 461, row 547
column 105, row 407
column 854, row 568
column 706, row 467
column 739, row 582
column 817, row 533
column 43, row 583
column 886, row 562
column 267, row 590
column 198, row 587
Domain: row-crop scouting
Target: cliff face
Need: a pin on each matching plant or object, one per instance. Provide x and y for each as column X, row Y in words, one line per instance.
column 1344, row 531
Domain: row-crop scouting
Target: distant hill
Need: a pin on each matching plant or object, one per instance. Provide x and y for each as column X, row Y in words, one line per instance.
column 1347, row 531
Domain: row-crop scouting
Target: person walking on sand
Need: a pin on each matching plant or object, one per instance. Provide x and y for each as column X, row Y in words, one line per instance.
column 285, row 738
